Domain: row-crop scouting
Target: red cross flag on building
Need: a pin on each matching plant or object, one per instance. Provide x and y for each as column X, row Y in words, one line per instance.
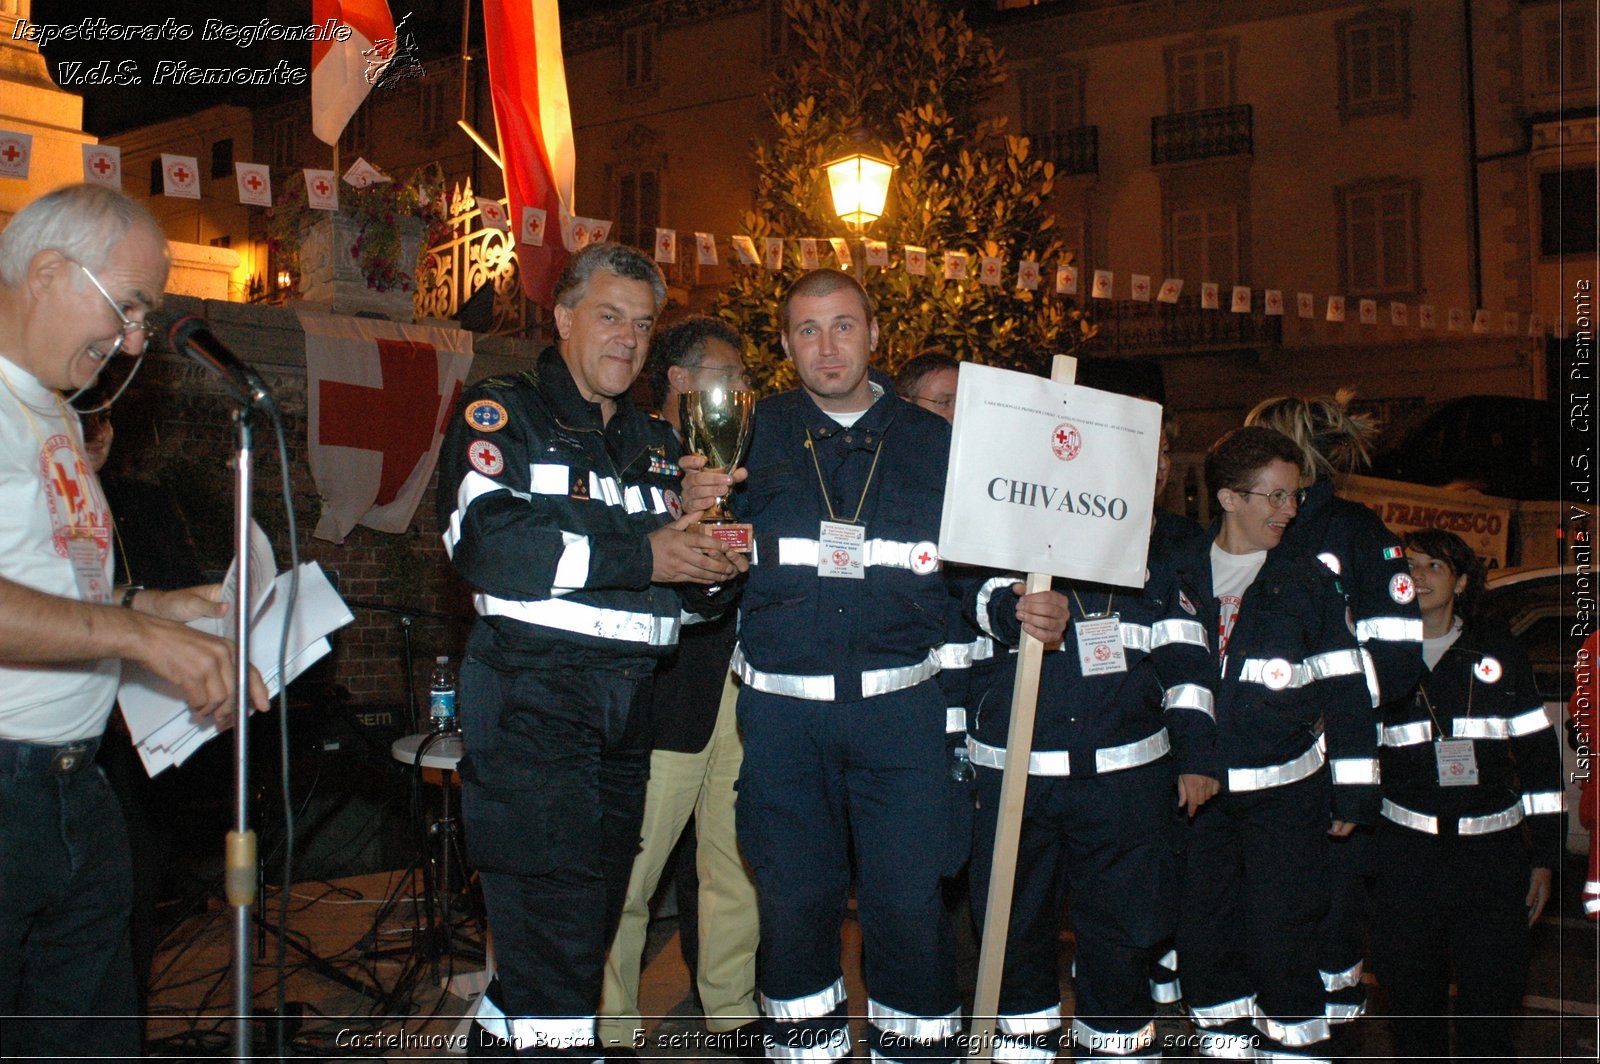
column 378, row 394
column 102, row 165
column 16, row 151
column 493, row 214
column 322, row 190
column 180, row 176
column 255, row 183
column 342, row 72
column 363, row 174
column 528, row 86
column 532, row 232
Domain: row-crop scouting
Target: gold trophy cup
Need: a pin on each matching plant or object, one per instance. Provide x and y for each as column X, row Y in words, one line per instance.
column 716, row 424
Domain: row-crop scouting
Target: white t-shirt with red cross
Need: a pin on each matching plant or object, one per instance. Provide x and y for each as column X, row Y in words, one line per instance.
column 1231, row 575
column 55, row 537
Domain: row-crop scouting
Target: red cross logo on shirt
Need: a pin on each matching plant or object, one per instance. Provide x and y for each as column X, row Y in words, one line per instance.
column 180, row 175
column 11, row 153
column 254, row 182
column 924, row 558
column 101, row 166
column 1401, row 589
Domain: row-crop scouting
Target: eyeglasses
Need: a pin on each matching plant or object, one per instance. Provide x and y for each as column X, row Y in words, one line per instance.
column 1277, row 499
column 928, row 400
column 730, row 374
column 133, row 333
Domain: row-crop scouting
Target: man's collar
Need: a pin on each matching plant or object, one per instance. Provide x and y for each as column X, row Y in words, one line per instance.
column 561, row 391
column 867, row 430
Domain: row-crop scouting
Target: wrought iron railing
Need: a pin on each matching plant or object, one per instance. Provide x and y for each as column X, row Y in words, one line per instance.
column 1133, row 328
column 1211, row 134
column 1074, row 151
column 454, row 270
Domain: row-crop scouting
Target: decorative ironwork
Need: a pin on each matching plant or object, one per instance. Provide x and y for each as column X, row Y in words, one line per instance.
column 1133, row 328
column 1074, row 151
column 1211, row 134
column 473, row 256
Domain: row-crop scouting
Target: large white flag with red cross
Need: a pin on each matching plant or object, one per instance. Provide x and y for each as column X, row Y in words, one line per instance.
column 378, row 394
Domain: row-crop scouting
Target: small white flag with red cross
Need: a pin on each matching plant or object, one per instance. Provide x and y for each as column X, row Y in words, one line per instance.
column 102, row 165
column 322, row 191
column 180, row 176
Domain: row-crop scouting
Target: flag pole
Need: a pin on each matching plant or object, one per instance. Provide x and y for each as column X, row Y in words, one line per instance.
column 1008, row 827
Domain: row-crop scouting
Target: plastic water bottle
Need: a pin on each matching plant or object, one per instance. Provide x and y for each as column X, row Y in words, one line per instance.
column 961, row 769
column 442, row 695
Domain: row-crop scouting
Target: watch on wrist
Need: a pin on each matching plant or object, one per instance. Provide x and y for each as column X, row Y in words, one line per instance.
column 129, row 594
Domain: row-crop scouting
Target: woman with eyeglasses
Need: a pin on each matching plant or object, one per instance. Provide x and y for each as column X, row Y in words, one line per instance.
column 1370, row 563
column 1254, row 890
column 1472, row 824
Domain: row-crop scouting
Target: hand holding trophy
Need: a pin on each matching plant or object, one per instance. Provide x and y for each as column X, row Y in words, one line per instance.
column 716, row 424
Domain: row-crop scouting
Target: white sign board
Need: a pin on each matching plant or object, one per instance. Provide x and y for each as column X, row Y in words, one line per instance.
column 1050, row 478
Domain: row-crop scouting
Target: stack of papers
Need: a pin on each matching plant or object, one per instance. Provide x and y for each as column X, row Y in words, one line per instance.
column 164, row 731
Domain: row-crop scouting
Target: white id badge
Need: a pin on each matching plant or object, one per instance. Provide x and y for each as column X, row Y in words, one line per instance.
column 1458, row 765
column 1100, row 645
column 88, row 569
column 842, row 550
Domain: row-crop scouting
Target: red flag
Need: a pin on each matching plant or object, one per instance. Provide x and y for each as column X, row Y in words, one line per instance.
column 528, row 84
column 342, row 72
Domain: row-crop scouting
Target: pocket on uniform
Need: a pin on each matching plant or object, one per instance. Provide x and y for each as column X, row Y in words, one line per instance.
column 510, row 831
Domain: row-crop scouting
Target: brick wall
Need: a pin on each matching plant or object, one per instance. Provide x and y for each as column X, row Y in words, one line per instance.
column 174, row 427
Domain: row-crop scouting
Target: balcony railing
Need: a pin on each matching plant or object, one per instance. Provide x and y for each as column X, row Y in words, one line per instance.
column 1074, row 151
column 1212, row 134
column 1131, row 328
column 461, row 265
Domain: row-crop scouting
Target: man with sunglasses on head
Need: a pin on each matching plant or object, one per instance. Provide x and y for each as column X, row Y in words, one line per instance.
column 80, row 269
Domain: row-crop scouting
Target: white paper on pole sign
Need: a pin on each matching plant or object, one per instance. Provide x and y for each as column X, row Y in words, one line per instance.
column 164, row 731
column 1050, row 478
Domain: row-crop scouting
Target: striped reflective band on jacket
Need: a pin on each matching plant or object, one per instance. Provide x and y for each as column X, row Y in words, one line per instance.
column 1317, row 667
column 1390, row 629
column 1228, row 1046
column 819, row 688
column 986, row 592
column 1059, row 763
column 1539, row 803
column 1028, row 1023
column 1190, row 696
column 908, row 1025
column 1114, row 1043
column 884, row 553
column 1308, row 764
column 534, row 1032
column 567, row 616
column 1591, row 897
column 1217, row 1015
column 1397, row 735
column 1302, row 1033
column 1332, row 981
column 1467, row 825
column 546, row 478
column 1522, row 724
column 955, row 720
column 1355, row 771
column 962, row 655
column 1177, row 630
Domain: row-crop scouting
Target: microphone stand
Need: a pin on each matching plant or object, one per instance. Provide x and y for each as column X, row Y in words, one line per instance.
column 240, row 874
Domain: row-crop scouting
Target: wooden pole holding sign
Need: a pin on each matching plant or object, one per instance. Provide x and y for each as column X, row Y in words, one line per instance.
column 1013, row 792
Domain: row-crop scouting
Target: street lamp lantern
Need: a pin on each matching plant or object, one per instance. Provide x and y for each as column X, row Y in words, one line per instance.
column 860, row 186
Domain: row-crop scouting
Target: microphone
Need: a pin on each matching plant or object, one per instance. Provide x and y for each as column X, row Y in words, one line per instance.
column 192, row 336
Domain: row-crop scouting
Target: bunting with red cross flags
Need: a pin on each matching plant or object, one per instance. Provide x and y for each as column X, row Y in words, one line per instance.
column 378, row 395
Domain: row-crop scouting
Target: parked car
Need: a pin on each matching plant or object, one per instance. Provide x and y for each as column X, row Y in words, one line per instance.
column 1496, row 444
column 1534, row 604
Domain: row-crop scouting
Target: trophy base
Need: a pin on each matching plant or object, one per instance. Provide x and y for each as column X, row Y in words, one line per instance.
column 733, row 536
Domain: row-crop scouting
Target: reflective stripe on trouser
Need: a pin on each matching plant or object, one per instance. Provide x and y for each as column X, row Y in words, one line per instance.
column 1028, row 1038
column 1165, row 986
column 552, row 824
column 808, row 1029
column 1100, row 845
column 885, row 761
column 1255, row 894
column 1343, row 940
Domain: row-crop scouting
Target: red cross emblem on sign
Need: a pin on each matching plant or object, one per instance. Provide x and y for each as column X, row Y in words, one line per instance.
column 322, row 187
column 180, row 175
column 11, row 153
column 1140, row 288
column 254, row 182
column 1065, row 442
column 100, row 165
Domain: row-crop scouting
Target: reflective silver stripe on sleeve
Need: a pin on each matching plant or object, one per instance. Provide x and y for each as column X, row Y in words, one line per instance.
column 1132, row 755
column 1369, row 669
column 1332, row 981
column 1217, row 1015
column 1254, row 670
column 1040, row 762
column 962, row 655
column 1042, row 1022
column 1230, row 1047
column 1409, row 818
column 1303, row 1033
column 1355, row 771
column 545, row 478
column 1488, row 825
column 808, row 1007
column 982, row 648
column 886, row 553
column 955, row 720
column 1500, row 727
column 1134, row 636
column 1390, row 629
column 572, row 569
column 1335, row 663
column 1241, row 780
column 917, row 1028
column 1340, row 1012
column 473, row 486
column 1534, row 720
column 1193, row 696
column 1177, row 630
column 1115, row 1043
column 820, row 688
column 577, row 617
column 1537, row 803
column 1396, row 735
column 1166, row 993
column 985, row 593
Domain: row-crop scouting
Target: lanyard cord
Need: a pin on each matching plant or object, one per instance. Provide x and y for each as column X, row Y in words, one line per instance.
column 1085, row 614
column 823, row 484
column 1422, row 689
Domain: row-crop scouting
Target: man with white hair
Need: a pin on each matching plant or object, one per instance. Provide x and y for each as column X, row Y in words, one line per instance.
column 80, row 269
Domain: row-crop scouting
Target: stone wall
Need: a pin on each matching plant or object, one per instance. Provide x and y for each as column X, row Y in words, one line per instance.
column 175, row 428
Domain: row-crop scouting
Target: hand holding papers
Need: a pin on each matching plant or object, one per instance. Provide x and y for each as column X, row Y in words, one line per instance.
column 164, row 731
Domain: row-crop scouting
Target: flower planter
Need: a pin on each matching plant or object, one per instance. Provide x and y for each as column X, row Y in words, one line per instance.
column 330, row 274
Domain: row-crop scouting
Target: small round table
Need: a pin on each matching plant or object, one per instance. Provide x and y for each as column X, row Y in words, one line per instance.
column 439, row 751
column 444, row 751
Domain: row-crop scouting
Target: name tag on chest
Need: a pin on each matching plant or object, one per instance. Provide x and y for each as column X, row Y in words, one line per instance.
column 1100, row 645
column 1458, row 765
column 842, row 550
